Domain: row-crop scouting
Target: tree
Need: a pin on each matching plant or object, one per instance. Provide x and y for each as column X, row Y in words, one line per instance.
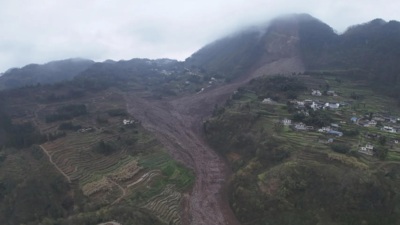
column 278, row 127
column 382, row 140
column 382, row 152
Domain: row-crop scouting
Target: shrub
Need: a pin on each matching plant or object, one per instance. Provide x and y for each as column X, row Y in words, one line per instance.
column 340, row 148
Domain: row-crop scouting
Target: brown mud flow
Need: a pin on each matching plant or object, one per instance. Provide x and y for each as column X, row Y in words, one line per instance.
column 177, row 123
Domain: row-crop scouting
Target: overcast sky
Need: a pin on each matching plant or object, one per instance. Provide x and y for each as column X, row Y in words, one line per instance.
column 38, row 31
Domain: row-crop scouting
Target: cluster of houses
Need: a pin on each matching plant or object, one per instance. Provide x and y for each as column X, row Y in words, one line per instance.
column 316, row 104
column 373, row 123
column 318, row 93
column 302, row 127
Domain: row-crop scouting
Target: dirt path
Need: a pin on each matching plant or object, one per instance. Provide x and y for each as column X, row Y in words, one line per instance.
column 120, row 187
column 51, row 161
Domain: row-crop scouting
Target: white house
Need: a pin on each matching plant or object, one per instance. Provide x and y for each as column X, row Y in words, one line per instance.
column 324, row 129
column 300, row 126
column 316, row 93
column 286, row 122
column 372, row 123
column 331, row 93
column 332, row 105
column 389, row 129
column 267, row 101
column 368, row 149
column 127, row 122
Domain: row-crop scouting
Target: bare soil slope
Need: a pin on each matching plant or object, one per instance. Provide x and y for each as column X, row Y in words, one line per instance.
column 177, row 123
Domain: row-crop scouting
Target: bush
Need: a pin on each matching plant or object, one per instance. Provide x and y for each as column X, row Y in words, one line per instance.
column 67, row 112
column 69, row 126
column 105, row 148
column 344, row 149
column 117, row 112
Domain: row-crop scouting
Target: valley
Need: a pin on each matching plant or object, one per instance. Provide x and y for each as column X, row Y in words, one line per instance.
column 261, row 127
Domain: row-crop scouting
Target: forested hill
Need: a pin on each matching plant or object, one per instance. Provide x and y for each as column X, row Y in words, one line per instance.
column 371, row 49
column 373, row 46
column 51, row 72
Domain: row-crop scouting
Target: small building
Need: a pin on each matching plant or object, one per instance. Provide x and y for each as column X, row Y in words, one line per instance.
column 308, row 102
column 268, row 101
column 286, row 122
column 309, row 127
column 324, row 129
column 367, row 123
column 332, row 105
column 335, row 125
column 331, row 93
column 316, row 93
column 396, row 141
column 367, row 150
column 353, row 119
column 389, row 129
column 343, row 122
column 337, row 133
column 128, row 122
column 84, row 130
column 330, row 140
column 300, row 126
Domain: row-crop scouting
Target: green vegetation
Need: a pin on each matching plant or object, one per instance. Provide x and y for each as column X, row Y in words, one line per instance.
column 284, row 176
column 69, row 126
column 66, row 113
column 117, row 112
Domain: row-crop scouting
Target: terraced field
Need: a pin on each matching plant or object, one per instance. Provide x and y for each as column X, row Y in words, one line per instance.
column 166, row 205
column 74, row 157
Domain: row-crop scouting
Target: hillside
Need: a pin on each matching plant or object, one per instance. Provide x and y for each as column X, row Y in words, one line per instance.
column 51, row 72
column 278, row 124
column 291, row 157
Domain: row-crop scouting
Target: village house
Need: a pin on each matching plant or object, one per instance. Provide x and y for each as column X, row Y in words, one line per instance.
column 367, row 123
column 308, row 102
column 316, row 93
column 353, row 119
column 368, row 150
column 286, row 122
column 324, row 129
column 300, row 126
column 379, row 118
column 337, row 133
column 389, row 129
column 332, row 105
column 335, row 125
column 127, row 122
column 331, row 93
column 268, row 101
column 84, row 130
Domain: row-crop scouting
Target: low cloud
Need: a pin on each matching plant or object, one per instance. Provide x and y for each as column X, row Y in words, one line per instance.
column 41, row 31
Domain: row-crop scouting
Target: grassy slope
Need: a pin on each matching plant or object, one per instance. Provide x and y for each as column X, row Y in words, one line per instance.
column 287, row 177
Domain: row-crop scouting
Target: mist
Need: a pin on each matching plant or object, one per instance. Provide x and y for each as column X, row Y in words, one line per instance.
column 42, row 31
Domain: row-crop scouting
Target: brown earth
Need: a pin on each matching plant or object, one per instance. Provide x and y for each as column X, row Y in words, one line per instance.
column 177, row 123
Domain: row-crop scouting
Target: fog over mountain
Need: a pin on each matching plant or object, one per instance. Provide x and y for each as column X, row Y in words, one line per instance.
column 98, row 30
